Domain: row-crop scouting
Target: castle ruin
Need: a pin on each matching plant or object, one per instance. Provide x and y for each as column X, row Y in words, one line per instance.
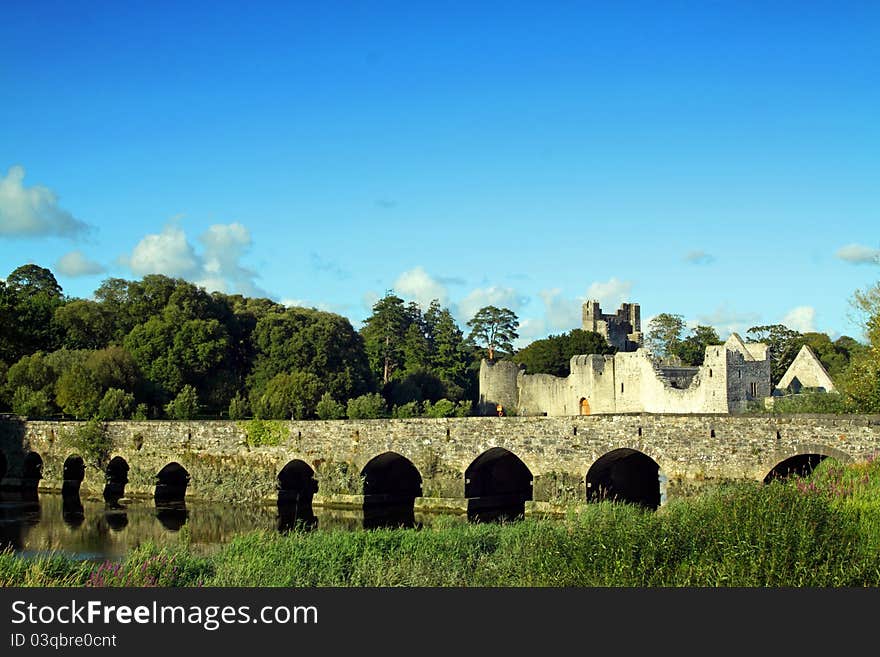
column 632, row 380
column 622, row 330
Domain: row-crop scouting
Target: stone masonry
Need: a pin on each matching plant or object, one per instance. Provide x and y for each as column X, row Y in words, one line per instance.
column 690, row 450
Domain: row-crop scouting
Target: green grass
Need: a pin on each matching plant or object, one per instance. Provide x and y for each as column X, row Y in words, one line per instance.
column 819, row 532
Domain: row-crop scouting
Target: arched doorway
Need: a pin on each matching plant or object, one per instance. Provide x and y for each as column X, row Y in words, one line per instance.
column 800, row 465
column 497, row 484
column 391, row 485
column 625, row 475
column 296, row 487
column 584, row 406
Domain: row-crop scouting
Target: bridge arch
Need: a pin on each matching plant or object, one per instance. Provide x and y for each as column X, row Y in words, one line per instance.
column 497, row 485
column 625, row 475
column 391, row 474
column 391, row 484
column 802, row 461
column 31, row 469
column 74, row 471
column 171, row 483
column 297, row 478
column 115, row 477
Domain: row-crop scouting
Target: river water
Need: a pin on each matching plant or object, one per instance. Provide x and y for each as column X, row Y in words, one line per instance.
column 94, row 529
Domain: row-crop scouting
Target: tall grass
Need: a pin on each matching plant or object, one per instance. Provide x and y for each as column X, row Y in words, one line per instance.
column 819, row 532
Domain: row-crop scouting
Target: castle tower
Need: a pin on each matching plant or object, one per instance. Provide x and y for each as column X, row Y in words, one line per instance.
column 622, row 329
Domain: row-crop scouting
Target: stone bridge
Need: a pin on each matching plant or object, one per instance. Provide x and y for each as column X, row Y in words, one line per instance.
column 451, row 463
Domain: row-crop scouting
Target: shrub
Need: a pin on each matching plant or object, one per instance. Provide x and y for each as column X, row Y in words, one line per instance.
column 811, row 402
column 265, row 432
column 288, row 396
column 441, row 408
column 185, row 406
column 329, row 409
column 115, row 405
column 92, row 442
column 367, row 407
column 412, row 409
column 141, row 412
column 239, row 408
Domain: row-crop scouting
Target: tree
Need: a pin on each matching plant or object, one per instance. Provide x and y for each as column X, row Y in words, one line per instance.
column 861, row 383
column 552, row 355
column 31, row 403
column 78, row 393
column 692, row 350
column 307, row 340
column 383, row 334
column 782, row 343
column 32, row 279
column 664, row 334
column 83, row 324
column 450, row 356
column 288, row 396
column 494, row 329
column 34, row 295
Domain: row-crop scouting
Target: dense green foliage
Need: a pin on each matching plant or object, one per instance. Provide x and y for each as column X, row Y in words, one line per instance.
column 818, row 532
column 163, row 347
column 664, row 340
column 553, row 354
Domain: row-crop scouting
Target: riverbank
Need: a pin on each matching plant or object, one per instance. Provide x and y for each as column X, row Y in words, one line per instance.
column 822, row 531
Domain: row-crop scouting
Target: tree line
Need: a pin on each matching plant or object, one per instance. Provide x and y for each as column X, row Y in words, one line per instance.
column 162, row 347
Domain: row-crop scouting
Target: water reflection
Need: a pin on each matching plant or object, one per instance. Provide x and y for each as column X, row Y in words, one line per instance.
column 296, row 515
column 172, row 515
column 95, row 529
column 391, row 513
column 20, row 511
column 72, row 511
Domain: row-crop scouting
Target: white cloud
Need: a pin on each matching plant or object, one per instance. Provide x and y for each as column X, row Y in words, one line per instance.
column 168, row 253
column 561, row 314
column 801, row 319
column 75, row 264
column 530, row 329
column 418, row 285
column 610, row 294
column 34, row 211
column 501, row 297
column 699, row 257
column 727, row 321
column 858, row 254
column 218, row 267
column 225, row 245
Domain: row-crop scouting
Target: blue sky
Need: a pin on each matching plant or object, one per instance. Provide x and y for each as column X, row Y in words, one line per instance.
column 716, row 160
